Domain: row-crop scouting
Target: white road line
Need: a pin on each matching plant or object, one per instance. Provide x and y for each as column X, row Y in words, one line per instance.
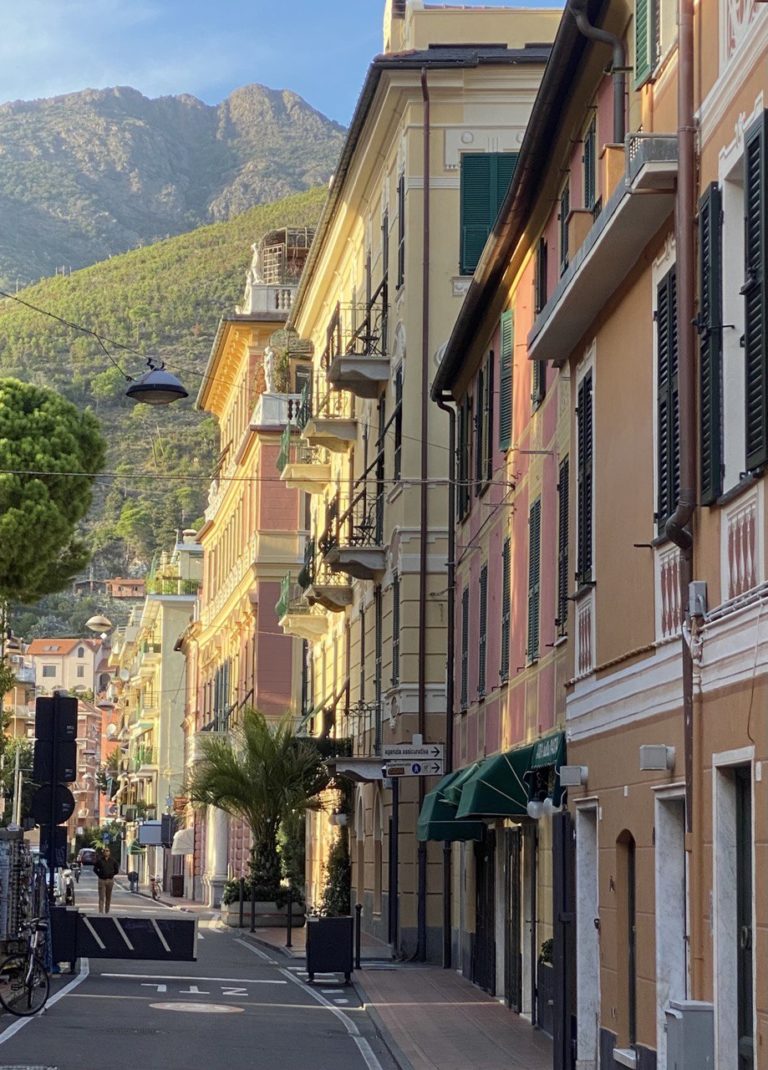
column 187, row 977
column 12, row 1030
column 93, row 933
column 365, row 1049
column 163, row 941
column 256, row 951
column 124, row 934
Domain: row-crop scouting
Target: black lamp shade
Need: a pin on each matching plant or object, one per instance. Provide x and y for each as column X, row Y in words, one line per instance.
column 156, row 387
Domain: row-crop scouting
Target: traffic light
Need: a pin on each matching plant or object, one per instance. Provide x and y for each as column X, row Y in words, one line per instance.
column 54, row 766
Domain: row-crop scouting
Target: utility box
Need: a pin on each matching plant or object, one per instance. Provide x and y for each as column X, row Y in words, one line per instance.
column 690, row 1035
column 64, row 935
column 329, row 946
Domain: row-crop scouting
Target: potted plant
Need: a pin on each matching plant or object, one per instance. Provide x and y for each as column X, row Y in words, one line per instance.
column 261, row 772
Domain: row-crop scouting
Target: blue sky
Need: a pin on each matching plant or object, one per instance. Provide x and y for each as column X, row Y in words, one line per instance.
column 319, row 48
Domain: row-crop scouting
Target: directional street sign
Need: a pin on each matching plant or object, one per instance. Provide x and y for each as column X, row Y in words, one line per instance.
column 425, row 767
column 413, row 752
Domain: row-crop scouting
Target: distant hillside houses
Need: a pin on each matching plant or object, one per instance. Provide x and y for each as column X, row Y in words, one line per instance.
column 64, row 664
column 125, row 587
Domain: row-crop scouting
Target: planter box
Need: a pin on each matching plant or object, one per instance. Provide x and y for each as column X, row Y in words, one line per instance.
column 268, row 916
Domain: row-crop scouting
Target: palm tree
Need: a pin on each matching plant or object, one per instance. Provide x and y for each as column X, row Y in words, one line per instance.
column 262, row 773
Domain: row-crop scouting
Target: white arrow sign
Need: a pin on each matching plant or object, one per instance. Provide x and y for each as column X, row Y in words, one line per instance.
column 413, row 752
column 426, row 767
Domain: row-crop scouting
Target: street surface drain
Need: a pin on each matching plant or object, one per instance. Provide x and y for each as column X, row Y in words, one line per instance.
column 196, row 1008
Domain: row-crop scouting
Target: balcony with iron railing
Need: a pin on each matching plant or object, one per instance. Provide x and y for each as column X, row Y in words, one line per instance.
column 301, row 466
column 353, row 540
column 144, row 758
column 321, row 586
column 295, row 615
column 325, row 417
column 172, row 585
column 356, row 360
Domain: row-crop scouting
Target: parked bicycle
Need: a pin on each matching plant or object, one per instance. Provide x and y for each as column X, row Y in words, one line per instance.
column 24, row 980
column 154, row 887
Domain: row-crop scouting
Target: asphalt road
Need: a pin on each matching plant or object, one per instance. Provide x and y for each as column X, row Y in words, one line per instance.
column 237, row 1006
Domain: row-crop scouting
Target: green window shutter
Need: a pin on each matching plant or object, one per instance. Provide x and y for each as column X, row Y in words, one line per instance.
column 668, row 420
column 479, row 430
column 562, row 547
column 483, row 631
column 395, row 630
column 754, row 290
column 584, row 473
column 590, row 165
column 465, row 648
column 644, row 38
column 485, row 178
column 534, row 579
column 710, row 344
column 506, row 607
column 507, row 331
column 539, row 382
column 488, row 444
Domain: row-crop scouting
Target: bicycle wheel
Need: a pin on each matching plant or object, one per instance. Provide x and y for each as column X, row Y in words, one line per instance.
column 23, row 990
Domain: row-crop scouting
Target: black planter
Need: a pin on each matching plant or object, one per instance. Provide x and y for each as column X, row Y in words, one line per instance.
column 545, row 996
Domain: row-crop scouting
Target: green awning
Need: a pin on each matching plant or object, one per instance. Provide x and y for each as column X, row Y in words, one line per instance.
column 548, row 751
column 498, row 787
column 458, row 780
column 437, row 819
column 544, row 773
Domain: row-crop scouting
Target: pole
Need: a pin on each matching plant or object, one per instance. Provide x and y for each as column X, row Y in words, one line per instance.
column 16, row 816
column 289, row 920
column 394, row 891
column 253, row 903
column 358, row 926
column 242, row 897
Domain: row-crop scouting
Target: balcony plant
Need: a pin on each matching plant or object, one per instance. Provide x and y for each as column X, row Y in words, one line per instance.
column 263, row 773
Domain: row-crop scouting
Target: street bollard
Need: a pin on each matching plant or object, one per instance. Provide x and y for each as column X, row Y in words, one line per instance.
column 253, row 904
column 358, row 927
column 242, row 904
column 289, row 925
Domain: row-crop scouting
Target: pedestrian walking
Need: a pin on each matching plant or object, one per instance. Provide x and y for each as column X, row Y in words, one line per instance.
column 106, row 869
column 133, row 880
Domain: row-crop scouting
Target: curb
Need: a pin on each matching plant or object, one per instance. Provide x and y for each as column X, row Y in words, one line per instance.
column 286, row 952
column 400, row 1058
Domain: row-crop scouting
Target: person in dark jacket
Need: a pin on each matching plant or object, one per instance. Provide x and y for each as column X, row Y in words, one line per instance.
column 106, row 869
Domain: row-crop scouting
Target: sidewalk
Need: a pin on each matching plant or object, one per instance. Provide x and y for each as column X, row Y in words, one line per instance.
column 433, row 1019
column 371, row 949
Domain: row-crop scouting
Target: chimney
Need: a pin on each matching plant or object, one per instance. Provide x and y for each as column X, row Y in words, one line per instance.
column 394, row 17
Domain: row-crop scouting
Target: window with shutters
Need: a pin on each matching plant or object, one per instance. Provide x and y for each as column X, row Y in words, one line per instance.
column 462, row 464
column 506, row 362
column 395, row 630
column 397, row 460
column 655, row 33
column 589, row 161
column 484, row 427
column 464, row 687
column 564, row 212
column 754, row 290
column 378, row 611
column 710, row 327
column 540, row 276
column 485, row 178
column 534, row 579
column 561, row 621
column 667, row 409
column 584, row 499
column 482, row 653
column 400, row 231
column 538, row 382
column 506, row 607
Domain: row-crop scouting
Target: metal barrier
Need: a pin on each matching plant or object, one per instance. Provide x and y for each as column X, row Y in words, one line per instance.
column 108, row 936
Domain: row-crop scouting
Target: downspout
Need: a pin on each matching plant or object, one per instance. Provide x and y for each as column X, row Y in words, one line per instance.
column 421, row 920
column 578, row 8
column 441, row 401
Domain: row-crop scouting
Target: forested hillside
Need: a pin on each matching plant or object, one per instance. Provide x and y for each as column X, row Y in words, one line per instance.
column 164, row 300
column 92, row 174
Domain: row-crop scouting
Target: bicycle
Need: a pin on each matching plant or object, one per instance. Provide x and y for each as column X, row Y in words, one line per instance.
column 154, row 887
column 24, row 981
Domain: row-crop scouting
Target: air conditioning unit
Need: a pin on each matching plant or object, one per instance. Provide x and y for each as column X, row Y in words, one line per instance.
column 573, row 776
column 656, row 756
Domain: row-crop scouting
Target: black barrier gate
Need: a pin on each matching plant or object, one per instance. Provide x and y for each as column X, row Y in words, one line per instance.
column 108, row 936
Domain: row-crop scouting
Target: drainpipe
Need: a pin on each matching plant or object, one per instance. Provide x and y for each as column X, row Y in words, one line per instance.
column 578, row 8
column 678, row 527
column 441, row 400
column 421, row 920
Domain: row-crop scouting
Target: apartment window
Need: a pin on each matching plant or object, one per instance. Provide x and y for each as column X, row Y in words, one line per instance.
column 589, row 160
column 655, row 32
column 483, row 631
column 540, row 276
column 667, row 414
column 561, row 622
column 361, row 685
column 534, row 579
column 584, row 473
column 484, row 427
column 49, row 671
column 710, row 324
column 81, row 672
column 538, row 382
column 81, row 652
column 754, row 290
column 485, row 179
column 385, row 244
column 564, row 212
column 506, row 607
column 464, row 691
column 377, row 664
column 398, row 447
column 506, row 362
column 395, row 631
column 463, row 466
column 400, row 231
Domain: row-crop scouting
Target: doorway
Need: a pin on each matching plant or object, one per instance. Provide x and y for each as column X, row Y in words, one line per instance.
column 513, row 921
column 484, row 951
